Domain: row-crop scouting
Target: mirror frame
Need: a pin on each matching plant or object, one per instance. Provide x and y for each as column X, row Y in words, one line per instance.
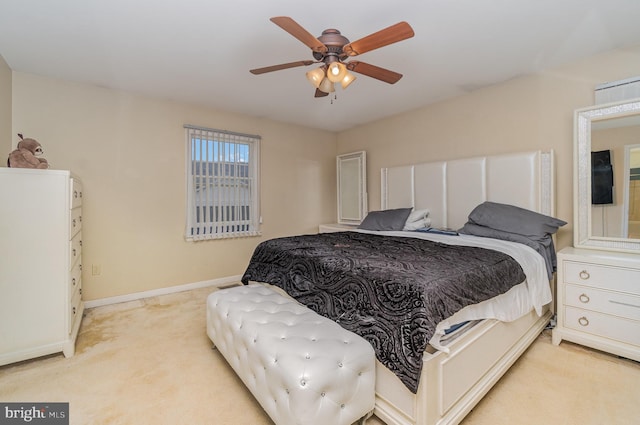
column 357, row 191
column 583, row 237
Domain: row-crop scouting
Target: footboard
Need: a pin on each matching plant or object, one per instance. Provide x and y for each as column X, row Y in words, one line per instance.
column 452, row 384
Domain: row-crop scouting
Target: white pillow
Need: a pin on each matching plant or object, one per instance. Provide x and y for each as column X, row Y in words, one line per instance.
column 417, row 220
column 417, row 215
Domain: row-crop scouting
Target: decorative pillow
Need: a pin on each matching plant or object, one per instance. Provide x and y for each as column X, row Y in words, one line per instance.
column 386, row 219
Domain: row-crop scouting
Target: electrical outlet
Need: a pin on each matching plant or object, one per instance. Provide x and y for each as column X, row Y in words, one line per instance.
column 96, row 269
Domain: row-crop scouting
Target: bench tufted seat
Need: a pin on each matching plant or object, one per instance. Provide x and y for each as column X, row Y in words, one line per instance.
column 303, row 368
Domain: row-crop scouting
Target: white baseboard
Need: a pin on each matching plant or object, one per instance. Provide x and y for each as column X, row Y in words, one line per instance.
column 218, row 283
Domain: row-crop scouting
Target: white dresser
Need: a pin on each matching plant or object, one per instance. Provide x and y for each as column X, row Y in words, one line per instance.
column 598, row 300
column 40, row 263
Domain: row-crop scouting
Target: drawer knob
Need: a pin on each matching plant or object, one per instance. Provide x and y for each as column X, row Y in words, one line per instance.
column 583, row 321
column 75, row 194
column 73, row 281
column 584, row 298
column 584, row 275
column 74, row 222
column 74, row 252
column 74, row 310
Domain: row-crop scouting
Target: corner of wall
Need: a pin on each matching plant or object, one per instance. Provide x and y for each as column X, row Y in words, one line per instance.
column 6, row 96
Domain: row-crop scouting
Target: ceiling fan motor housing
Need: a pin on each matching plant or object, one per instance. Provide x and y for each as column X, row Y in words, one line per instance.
column 334, row 41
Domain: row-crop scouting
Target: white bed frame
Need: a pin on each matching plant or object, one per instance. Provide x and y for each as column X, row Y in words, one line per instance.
column 452, row 384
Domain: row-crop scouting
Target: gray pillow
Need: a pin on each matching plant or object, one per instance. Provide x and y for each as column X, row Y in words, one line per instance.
column 510, row 218
column 386, row 220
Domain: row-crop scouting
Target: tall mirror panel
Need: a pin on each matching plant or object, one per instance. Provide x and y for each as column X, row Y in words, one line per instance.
column 352, row 187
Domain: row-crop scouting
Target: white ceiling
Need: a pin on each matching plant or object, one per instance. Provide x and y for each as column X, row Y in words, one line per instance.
column 200, row 51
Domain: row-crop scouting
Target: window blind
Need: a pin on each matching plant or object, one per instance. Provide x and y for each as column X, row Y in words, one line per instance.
column 222, row 184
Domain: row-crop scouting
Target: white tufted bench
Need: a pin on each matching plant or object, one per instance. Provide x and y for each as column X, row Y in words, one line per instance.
column 303, row 369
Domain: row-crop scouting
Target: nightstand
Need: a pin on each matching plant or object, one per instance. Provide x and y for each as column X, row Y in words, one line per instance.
column 336, row 227
column 598, row 300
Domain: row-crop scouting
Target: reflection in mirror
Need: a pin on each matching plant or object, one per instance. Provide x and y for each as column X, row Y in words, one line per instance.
column 607, row 144
column 352, row 187
column 611, row 142
column 632, row 190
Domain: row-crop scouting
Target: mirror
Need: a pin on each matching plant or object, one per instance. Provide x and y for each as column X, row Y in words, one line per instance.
column 352, row 187
column 606, row 177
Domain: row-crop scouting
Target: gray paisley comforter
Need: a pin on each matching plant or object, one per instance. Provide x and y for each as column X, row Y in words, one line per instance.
column 392, row 291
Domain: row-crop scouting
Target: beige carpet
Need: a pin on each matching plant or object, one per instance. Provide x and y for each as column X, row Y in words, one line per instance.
column 150, row 362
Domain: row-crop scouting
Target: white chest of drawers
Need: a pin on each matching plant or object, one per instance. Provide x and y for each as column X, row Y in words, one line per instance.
column 40, row 263
column 599, row 301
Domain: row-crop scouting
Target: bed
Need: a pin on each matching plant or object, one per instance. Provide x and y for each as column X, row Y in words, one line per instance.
column 451, row 371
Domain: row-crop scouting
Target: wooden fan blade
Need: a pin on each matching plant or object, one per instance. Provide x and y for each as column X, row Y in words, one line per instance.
column 296, row 30
column 393, row 34
column 374, row 72
column 279, row 67
column 320, row 93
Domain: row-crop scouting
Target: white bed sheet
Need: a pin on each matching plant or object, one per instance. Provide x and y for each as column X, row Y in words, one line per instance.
column 533, row 293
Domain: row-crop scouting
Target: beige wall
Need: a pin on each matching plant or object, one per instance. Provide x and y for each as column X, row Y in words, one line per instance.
column 526, row 113
column 129, row 152
column 5, row 112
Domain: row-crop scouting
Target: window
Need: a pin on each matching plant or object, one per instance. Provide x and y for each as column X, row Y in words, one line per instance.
column 222, row 184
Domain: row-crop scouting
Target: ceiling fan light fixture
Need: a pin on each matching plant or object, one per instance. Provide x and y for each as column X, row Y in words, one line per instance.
column 348, row 79
column 336, row 72
column 326, row 86
column 316, row 76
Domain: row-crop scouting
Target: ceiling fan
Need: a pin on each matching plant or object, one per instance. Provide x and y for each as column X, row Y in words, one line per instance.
column 332, row 49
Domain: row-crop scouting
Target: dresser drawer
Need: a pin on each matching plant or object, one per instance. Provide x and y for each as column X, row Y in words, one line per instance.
column 604, row 325
column 74, row 310
column 77, row 292
column 613, row 303
column 75, row 277
column 76, row 194
column 601, row 276
column 75, row 249
column 75, row 221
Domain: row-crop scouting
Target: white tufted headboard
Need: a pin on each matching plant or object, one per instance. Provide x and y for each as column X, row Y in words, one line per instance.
column 451, row 189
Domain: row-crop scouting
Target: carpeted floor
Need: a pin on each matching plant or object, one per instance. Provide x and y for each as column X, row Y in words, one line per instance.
column 150, row 362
